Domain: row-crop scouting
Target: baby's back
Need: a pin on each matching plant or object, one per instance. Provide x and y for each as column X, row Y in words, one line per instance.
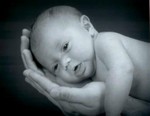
column 139, row 52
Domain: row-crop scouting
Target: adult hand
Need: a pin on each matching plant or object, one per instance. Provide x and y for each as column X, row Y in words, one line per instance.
column 69, row 100
column 87, row 100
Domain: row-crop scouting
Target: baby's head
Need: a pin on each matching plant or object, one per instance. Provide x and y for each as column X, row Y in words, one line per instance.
column 62, row 42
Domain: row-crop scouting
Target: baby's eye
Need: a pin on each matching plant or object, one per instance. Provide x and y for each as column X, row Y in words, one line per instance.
column 65, row 47
column 55, row 67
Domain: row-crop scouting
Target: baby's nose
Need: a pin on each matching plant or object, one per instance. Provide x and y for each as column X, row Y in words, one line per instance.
column 65, row 62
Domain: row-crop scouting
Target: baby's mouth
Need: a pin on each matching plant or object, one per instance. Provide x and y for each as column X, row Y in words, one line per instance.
column 79, row 69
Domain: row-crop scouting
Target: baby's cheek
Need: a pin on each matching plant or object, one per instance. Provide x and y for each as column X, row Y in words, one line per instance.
column 64, row 75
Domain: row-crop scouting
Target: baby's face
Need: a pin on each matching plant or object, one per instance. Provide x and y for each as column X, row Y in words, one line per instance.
column 67, row 52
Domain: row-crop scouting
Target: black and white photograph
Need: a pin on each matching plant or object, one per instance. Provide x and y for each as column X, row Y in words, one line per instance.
column 75, row 57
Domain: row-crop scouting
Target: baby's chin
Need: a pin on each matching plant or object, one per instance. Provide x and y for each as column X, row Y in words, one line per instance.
column 83, row 83
column 83, row 80
column 79, row 84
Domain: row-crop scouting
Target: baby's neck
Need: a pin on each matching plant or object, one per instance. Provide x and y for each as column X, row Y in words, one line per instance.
column 95, row 35
column 94, row 73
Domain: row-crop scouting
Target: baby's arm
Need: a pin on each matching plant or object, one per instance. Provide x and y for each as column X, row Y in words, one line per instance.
column 111, row 52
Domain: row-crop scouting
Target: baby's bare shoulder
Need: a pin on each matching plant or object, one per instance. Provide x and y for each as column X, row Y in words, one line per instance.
column 105, row 38
column 108, row 47
column 108, row 34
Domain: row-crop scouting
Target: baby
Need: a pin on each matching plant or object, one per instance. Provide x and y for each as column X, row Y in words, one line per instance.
column 67, row 45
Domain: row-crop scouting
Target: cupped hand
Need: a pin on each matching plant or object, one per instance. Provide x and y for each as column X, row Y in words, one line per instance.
column 87, row 100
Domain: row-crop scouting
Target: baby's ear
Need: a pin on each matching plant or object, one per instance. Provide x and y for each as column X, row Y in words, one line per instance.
column 85, row 22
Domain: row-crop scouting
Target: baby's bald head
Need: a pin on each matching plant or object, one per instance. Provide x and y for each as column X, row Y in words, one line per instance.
column 61, row 40
column 58, row 16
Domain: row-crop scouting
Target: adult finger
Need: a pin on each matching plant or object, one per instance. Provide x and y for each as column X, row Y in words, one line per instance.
column 29, row 61
column 83, row 110
column 45, row 83
column 34, row 85
column 76, row 109
column 25, row 32
column 24, row 43
column 73, row 95
column 41, row 90
column 66, row 107
column 27, row 56
column 73, row 109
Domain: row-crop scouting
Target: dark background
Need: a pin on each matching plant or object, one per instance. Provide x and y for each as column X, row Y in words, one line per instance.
column 129, row 17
